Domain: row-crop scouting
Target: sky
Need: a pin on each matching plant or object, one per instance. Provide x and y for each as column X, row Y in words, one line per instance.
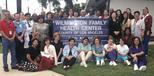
column 35, row 7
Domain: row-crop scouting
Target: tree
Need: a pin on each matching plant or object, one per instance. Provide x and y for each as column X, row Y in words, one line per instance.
column 43, row 3
column 56, row 5
column 49, row 1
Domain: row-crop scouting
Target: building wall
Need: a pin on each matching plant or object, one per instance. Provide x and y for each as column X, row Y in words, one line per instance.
column 134, row 5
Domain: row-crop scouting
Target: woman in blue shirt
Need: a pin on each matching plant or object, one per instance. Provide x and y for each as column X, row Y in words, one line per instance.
column 70, row 53
column 98, row 51
column 137, row 54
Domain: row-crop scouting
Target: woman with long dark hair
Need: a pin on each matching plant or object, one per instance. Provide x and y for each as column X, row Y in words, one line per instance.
column 138, row 55
column 126, row 21
column 58, row 44
column 114, row 28
column 128, row 37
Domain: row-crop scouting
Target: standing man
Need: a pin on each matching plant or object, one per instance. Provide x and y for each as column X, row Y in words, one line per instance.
column 19, row 39
column 147, row 18
column 8, row 32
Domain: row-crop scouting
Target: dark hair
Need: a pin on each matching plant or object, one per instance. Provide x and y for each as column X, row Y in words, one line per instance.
column 3, row 11
column 85, row 38
column 119, row 10
column 127, row 16
column 140, row 44
column 27, row 14
column 49, row 13
column 16, row 14
column 137, row 12
column 71, row 39
column 40, row 17
column 98, row 39
column 46, row 39
column 127, row 28
column 34, row 40
column 129, row 9
column 147, row 9
column 123, row 39
column 106, row 10
column 112, row 13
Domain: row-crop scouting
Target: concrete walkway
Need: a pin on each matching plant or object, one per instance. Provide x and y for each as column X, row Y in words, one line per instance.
column 21, row 73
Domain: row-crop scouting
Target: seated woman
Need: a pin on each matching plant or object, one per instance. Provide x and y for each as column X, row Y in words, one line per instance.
column 137, row 53
column 31, row 63
column 85, row 52
column 110, row 49
column 70, row 53
column 49, row 57
column 128, row 37
column 98, row 51
column 58, row 44
column 123, row 52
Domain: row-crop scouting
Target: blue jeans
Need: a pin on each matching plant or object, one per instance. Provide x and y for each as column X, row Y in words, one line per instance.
column 112, row 55
column 8, row 45
column 146, row 44
column 141, row 61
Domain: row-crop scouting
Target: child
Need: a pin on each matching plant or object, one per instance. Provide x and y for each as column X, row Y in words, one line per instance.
column 110, row 49
column 123, row 50
column 70, row 53
column 98, row 51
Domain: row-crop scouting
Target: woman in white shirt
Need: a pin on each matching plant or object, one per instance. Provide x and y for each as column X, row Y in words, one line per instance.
column 110, row 49
column 123, row 50
column 137, row 25
column 49, row 57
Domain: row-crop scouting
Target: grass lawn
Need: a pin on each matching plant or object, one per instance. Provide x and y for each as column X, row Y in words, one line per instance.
column 106, row 70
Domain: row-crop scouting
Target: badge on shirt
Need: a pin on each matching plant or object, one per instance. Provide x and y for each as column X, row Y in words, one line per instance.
column 20, row 26
column 10, row 32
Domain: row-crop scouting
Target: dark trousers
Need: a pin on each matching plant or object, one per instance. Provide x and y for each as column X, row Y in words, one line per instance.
column 141, row 61
column 20, row 53
column 69, row 62
column 146, row 44
column 112, row 55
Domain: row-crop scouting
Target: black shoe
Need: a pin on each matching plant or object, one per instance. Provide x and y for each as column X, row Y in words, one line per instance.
column 15, row 68
column 6, row 69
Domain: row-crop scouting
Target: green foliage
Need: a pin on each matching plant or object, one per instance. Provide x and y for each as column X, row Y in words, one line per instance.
column 43, row 3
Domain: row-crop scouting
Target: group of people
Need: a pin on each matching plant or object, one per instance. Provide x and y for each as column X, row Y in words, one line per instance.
column 35, row 47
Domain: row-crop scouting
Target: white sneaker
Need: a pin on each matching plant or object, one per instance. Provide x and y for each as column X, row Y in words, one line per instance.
column 111, row 63
column 114, row 63
column 102, row 62
column 143, row 68
column 97, row 63
column 85, row 65
column 128, row 63
column 81, row 64
column 135, row 67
